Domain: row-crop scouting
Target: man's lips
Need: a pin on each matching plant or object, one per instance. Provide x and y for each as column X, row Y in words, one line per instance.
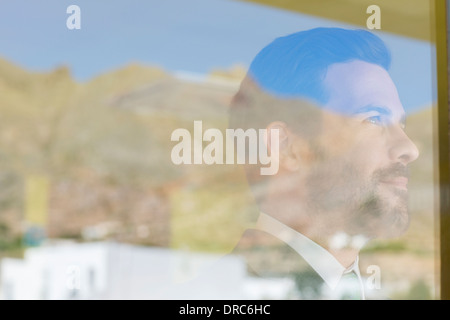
column 399, row 182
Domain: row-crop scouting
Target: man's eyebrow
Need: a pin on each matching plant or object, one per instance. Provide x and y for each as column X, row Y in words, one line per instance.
column 379, row 109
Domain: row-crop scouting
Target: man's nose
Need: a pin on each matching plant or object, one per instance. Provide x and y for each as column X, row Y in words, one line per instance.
column 402, row 149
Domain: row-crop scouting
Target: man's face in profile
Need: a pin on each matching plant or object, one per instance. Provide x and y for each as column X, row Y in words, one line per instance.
column 362, row 152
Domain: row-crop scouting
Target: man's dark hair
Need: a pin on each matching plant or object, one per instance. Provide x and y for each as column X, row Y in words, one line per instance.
column 295, row 65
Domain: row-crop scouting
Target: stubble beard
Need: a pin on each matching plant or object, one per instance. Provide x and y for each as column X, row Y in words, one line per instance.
column 348, row 203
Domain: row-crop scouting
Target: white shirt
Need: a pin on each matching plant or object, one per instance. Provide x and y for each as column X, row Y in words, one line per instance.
column 321, row 260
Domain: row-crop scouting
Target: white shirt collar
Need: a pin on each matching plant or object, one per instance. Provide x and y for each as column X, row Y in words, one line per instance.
column 322, row 261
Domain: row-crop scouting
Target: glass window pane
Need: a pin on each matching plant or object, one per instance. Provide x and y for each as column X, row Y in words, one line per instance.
column 219, row 149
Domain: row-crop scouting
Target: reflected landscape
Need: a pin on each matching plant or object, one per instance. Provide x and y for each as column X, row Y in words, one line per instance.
column 93, row 205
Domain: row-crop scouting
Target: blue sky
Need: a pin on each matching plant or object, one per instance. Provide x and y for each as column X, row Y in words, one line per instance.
column 178, row 35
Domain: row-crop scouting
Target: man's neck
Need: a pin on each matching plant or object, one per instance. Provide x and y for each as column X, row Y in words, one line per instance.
column 343, row 247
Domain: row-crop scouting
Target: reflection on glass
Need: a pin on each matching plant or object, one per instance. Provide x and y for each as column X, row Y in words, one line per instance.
column 304, row 160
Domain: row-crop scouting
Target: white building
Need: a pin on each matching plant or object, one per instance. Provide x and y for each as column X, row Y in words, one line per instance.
column 105, row 270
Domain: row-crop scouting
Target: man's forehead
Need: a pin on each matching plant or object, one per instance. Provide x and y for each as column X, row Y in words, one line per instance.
column 355, row 69
column 354, row 85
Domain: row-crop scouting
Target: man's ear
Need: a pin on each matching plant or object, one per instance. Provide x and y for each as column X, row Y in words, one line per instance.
column 291, row 148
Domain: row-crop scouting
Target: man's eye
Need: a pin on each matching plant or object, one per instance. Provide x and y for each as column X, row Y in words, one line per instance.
column 374, row 120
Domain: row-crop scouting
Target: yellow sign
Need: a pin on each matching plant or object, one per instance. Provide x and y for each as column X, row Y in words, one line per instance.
column 36, row 200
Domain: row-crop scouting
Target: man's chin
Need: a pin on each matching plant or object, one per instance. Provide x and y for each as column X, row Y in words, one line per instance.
column 385, row 215
column 394, row 221
column 397, row 227
column 397, row 213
